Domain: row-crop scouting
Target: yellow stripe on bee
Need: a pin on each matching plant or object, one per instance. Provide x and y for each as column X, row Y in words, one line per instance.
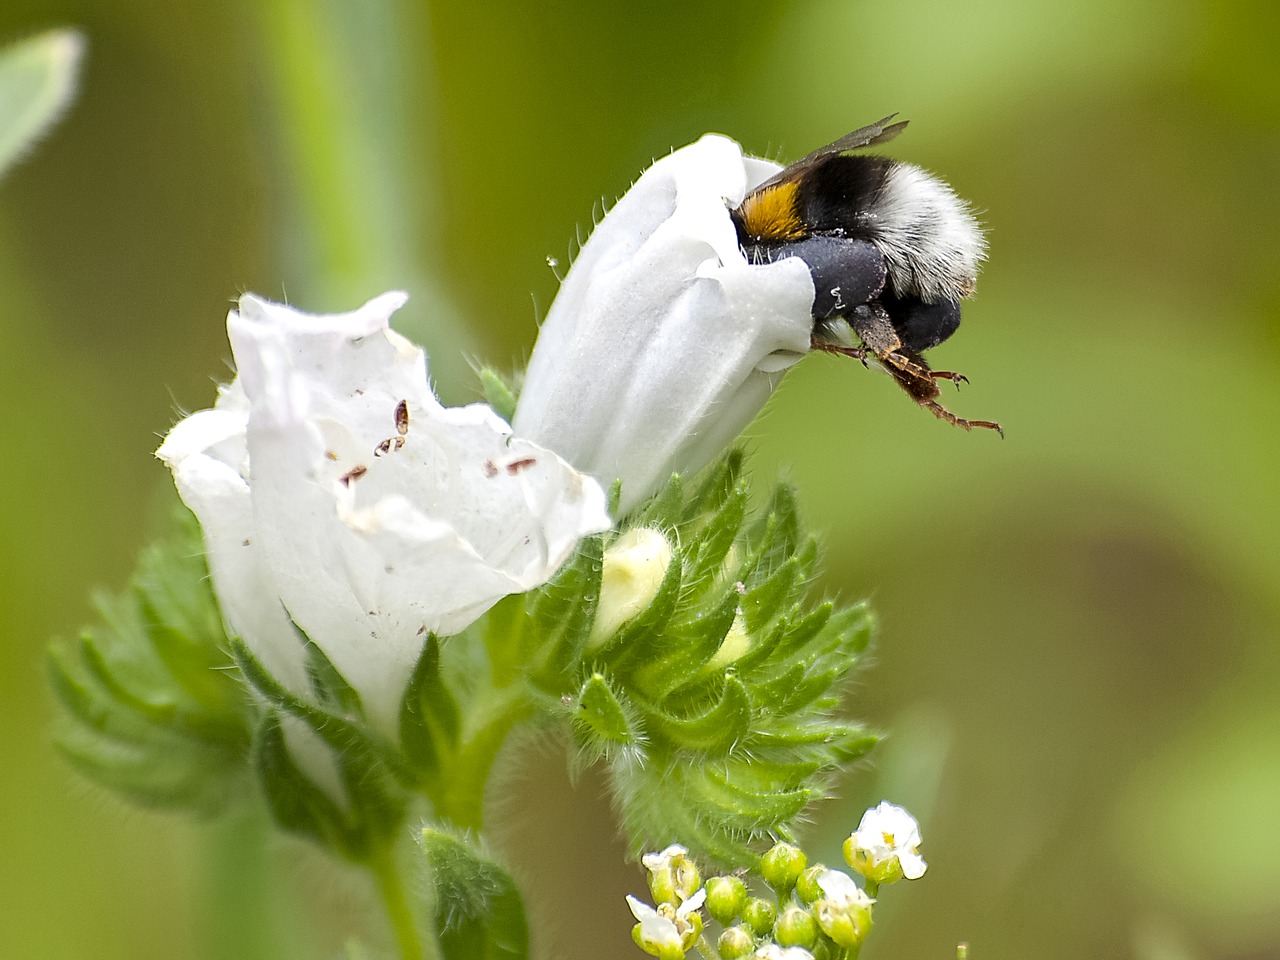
column 770, row 214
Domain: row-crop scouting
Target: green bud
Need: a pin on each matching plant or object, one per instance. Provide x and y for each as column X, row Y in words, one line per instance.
column 660, row 949
column 796, row 928
column 734, row 943
column 846, row 923
column 807, row 888
column 781, row 867
column 726, row 896
column 759, row 915
column 673, row 876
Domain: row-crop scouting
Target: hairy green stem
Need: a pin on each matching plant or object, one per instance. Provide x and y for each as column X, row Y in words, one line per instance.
column 395, row 899
column 459, row 800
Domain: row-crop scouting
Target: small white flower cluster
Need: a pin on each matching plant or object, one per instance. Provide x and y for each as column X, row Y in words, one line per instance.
column 829, row 910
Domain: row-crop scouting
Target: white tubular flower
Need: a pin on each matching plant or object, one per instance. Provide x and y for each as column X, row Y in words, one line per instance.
column 663, row 342
column 885, row 847
column 334, row 489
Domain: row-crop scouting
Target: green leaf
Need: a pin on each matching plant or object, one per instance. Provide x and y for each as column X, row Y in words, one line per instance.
column 37, row 82
column 153, row 708
column 479, row 912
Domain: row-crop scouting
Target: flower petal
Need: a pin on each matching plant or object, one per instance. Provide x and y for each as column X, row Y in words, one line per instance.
column 663, row 342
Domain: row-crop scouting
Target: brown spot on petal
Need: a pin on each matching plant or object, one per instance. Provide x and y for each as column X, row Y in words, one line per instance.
column 490, row 468
column 515, row 466
column 355, row 473
column 402, row 417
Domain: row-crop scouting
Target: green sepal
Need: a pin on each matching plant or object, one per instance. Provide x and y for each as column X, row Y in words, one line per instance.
column 330, row 688
column 562, row 612
column 778, row 531
column 709, row 551
column 727, row 682
column 606, row 723
column 347, row 738
column 722, row 481
column 297, row 804
column 689, row 645
column 479, row 913
column 716, row 730
column 660, row 509
column 429, row 720
column 160, row 709
column 766, row 597
column 498, row 392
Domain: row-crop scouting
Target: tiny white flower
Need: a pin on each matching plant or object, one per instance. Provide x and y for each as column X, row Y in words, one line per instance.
column 844, row 910
column 663, row 860
column 673, row 876
column 886, row 845
column 663, row 342
column 656, row 930
column 667, row 932
column 840, row 889
column 334, row 489
column 771, row 951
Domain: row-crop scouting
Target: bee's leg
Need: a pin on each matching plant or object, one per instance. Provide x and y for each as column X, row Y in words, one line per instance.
column 942, row 413
column 857, row 353
column 956, row 378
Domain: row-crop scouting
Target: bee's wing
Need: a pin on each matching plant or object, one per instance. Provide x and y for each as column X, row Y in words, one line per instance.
column 873, row 133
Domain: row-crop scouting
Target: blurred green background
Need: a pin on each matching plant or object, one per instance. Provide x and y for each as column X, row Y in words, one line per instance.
column 1078, row 666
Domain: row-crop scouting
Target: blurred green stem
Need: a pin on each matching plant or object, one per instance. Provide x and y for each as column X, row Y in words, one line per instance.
column 353, row 129
column 244, row 907
column 400, row 913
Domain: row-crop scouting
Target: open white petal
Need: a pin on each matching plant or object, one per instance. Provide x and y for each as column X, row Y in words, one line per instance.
column 320, row 506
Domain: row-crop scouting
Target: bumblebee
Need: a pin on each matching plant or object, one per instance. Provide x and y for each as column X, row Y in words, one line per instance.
column 891, row 248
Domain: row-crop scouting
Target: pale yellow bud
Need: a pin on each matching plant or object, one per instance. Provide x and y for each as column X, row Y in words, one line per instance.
column 634, row 567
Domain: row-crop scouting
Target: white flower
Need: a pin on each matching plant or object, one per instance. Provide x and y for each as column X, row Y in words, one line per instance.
column 844, row 911
column 840, row 889
column 886, row 845
column 663, row 342
column 334, row 489
column 664, row 859
column 771, row 951
column 667, row 931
